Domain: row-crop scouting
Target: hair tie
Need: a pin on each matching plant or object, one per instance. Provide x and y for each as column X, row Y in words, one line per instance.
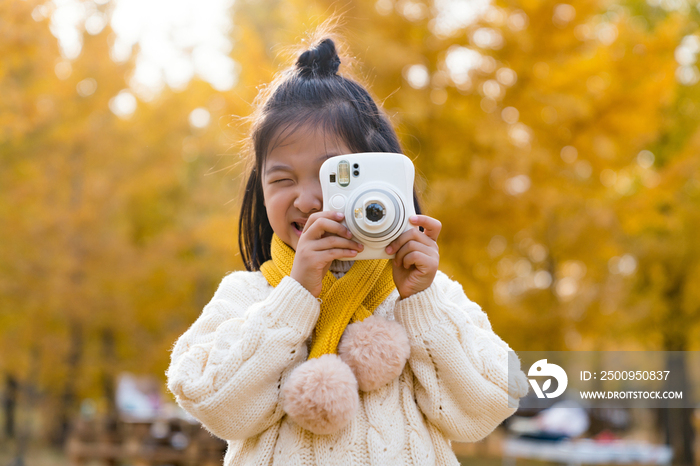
column 319, row 61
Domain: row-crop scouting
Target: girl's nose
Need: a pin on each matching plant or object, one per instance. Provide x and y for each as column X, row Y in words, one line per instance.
column 309, row 198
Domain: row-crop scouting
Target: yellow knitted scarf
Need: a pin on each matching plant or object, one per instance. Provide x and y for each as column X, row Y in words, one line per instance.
column 353, row 298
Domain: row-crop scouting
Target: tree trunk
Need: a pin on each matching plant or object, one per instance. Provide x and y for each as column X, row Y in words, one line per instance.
column 108, row 379
column 68, row 399
column 10, row 406
column 677, row 423
column 77, row 279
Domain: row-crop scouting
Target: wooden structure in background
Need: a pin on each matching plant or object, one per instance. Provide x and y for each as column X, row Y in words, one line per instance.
column 143, row 443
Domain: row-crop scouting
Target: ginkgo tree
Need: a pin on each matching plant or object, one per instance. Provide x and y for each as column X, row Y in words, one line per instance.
column 113, row 237
column 557, row 144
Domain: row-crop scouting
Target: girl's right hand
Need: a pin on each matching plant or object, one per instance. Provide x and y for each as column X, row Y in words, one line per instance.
column 323, row 240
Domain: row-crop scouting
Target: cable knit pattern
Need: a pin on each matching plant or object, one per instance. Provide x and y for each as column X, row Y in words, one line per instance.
column 227, row 370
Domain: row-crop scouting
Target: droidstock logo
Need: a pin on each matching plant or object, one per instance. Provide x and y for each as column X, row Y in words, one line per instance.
column 542, row 368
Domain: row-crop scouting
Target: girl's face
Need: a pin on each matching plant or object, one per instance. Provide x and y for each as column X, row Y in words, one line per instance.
column 291, row 188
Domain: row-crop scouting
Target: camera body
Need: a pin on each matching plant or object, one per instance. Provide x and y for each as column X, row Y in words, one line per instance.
column 375, row 192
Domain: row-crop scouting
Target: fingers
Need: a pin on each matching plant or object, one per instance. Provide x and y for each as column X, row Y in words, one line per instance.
column 323, row 239
column 324, row 222
column 430, row 225
column 330, row 243
column 418, row 254
column 327, row 234
column 333, row 254
column 428, row 237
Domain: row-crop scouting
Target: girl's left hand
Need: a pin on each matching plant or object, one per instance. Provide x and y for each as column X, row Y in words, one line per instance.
column 417, row 257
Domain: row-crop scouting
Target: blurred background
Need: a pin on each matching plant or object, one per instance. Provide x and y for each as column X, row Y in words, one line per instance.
column 558, row 143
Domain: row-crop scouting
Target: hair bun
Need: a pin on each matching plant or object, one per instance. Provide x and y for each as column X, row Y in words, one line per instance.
column 321, row 60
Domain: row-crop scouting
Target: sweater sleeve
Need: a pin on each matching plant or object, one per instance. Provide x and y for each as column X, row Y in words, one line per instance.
column 460, row 365
column 228, row 368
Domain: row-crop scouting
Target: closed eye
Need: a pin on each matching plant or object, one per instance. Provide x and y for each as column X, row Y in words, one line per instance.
column 283, row 179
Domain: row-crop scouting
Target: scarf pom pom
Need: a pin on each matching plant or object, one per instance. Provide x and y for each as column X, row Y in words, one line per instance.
column 321, row 395
column 376, row 350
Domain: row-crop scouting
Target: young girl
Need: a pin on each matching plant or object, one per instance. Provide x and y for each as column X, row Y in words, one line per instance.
column 305, row 359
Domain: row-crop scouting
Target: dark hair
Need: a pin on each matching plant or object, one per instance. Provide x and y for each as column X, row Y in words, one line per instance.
column 309, row 93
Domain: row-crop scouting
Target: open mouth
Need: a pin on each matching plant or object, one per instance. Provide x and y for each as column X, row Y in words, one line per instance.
column 299, row 227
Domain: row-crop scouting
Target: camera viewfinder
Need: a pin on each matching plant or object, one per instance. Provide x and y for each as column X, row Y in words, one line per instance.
column 343, row 173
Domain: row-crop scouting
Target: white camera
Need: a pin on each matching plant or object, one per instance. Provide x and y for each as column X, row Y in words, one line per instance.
column 375, row 192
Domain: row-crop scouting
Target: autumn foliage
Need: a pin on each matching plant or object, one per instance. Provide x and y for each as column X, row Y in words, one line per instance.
column 558, row 144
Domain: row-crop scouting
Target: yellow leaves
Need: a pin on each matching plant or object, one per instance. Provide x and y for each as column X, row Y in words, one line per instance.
column 77, row 183
column 115, row 224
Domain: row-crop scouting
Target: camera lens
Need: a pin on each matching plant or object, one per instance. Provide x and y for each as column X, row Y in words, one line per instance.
column 356, row 173
column 375, row 212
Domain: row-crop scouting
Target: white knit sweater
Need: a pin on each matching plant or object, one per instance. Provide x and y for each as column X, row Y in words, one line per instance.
column 228, row 369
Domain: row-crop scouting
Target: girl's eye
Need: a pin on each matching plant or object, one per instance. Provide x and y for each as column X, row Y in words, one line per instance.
column 283, row 179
